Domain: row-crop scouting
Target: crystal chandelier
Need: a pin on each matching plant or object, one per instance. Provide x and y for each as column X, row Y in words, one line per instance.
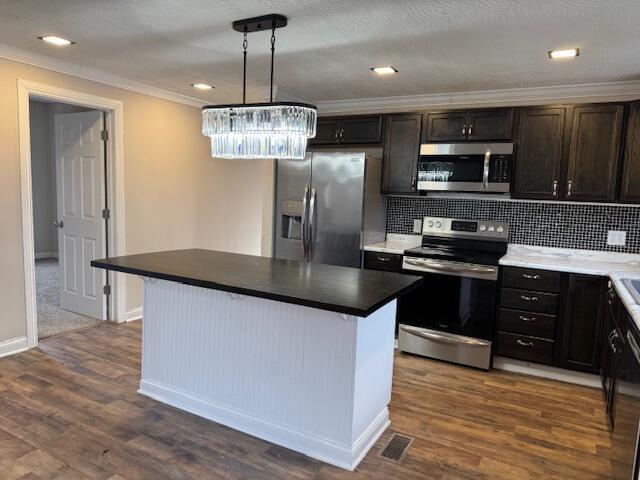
column 259, row 130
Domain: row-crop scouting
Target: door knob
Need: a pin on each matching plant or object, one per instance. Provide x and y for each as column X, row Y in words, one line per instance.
column 58, row 223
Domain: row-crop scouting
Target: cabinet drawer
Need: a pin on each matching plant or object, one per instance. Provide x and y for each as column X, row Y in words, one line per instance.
column 529, row 301
column 531, row 279
column 390, row 262
column 523, row 347
column 527, row 323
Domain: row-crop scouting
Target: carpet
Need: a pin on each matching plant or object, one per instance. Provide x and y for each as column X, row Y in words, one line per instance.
column 53, row 320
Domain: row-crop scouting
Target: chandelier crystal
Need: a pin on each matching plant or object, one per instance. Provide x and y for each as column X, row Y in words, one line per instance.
column 259, row 130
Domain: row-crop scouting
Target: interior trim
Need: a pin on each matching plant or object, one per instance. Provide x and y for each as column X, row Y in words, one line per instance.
column 547, row 371
column 14, row 345
column 134, row 314
column 512, row 97
column 76, row 70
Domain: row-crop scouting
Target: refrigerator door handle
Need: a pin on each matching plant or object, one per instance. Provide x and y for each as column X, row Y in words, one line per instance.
column 312, row 215
column 303, row 226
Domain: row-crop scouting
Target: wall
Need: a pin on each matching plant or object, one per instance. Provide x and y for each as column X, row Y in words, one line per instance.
column 43, row 181
column 176, row 195
column 549, row 224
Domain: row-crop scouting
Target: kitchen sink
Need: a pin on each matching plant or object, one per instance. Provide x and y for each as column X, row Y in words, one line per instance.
column 633, row 285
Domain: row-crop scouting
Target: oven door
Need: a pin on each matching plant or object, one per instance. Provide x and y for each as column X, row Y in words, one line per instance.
column 451, row 315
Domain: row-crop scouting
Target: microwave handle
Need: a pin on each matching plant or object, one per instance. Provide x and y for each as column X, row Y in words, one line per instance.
column 485, row 173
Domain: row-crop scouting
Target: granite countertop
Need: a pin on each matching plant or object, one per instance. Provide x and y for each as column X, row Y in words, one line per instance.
column 350, row 291
column 617, row 266
column 395, row 243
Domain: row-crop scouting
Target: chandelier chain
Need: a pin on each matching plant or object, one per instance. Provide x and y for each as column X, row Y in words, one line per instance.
column 273, row 50
column 245, row 43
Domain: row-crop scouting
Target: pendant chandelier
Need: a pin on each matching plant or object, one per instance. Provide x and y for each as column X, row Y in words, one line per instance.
column 259, row 130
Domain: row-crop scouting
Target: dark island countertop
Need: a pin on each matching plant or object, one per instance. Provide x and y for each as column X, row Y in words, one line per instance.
column 337, row 289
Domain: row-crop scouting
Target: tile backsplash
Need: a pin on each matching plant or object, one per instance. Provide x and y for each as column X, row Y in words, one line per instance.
column 548, row 224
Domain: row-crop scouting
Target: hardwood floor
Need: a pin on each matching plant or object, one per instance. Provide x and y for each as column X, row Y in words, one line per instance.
column 69, row 410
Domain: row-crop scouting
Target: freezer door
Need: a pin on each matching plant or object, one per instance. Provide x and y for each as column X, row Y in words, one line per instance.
column 293, row 179
column 336, row 207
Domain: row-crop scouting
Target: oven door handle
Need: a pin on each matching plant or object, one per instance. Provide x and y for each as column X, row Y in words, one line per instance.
column 445, row 337
column 485, row 172
column 449, row 268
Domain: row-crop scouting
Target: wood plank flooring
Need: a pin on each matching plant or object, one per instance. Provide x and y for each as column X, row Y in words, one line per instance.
column 69, row 410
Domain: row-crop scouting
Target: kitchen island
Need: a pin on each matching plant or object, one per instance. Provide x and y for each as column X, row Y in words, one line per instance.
column 297, row 354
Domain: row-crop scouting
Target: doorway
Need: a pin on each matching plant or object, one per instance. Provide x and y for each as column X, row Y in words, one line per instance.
column 68, row 195
column 87, row 141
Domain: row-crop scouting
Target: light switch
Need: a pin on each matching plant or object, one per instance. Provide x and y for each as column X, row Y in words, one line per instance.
column 617, row 237
column 417, row 225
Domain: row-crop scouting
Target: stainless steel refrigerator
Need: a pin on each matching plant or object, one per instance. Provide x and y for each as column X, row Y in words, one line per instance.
column 328, row 206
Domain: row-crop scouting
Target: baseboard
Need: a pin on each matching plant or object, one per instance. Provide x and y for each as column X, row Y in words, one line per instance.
column 546, row 371
column 41, row 255
column 133, row 314
column 14, row 345
column 312, row 446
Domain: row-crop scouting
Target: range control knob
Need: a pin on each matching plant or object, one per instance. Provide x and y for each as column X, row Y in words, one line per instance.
column 499, row 229
column 438, row 224
column 482, row 227
column 492, row 228
column 430, row 224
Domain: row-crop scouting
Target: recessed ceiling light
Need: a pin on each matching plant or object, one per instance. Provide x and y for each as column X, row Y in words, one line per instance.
column 57, row 41
column 202, row 86
column 384, row 70
column 568, row 53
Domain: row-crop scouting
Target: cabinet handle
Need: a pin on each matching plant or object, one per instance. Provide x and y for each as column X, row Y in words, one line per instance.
column 383, row 259
column 555, row 188
column 524, row 344
column 528, row 299
column 464, row 129
column 610, row 295
column 336, row 135
column 569, row 188
column 469, row 130
column 527, row 319
column 413, row 182
column 531, row 277
column 341, row 133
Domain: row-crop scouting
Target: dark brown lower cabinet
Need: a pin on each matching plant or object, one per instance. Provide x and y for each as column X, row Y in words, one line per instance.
column 581, row 324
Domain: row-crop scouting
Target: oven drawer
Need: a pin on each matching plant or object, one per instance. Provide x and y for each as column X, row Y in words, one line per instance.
column 530, row 279
column 523, row 347
column 529, row 301
column 390, row 262
column 527, row 323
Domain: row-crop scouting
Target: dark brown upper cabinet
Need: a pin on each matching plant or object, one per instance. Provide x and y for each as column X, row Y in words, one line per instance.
column 539, row 153
column 630, row 187
column 485, row 125
column 401, row 152
column 361, row 130
column 594, row 155
column 580, row 343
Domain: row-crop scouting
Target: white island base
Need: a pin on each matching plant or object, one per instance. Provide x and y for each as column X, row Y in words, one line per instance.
column 311, row 380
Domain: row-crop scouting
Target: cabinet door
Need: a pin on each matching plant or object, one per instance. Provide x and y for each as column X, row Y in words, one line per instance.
column 594, row 154
column 630, row 191
column 401, row 152
column 446, row 126
column 327, row 132
column 539, row 153
column 580, row 348
column 361, row 130
column 490, row 124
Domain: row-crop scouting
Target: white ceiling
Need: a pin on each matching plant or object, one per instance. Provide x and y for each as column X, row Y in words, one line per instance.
column 326, row 51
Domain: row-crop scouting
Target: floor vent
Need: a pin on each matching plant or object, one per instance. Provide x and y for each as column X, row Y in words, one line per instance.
column 396, row 448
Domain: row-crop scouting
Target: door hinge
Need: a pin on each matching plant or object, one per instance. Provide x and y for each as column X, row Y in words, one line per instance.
column 106, row 214
column 106, row 290
column 104, row 135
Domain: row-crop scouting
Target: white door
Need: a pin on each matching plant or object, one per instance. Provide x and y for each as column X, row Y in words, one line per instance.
column 80, row 190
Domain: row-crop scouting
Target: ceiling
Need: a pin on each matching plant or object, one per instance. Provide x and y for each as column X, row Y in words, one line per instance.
column 326, row 51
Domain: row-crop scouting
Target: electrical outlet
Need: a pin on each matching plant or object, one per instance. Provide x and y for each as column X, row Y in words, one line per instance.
column 617, row 237
column 417, row 225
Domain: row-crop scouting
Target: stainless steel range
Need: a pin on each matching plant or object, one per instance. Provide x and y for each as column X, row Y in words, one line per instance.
column 451, row 316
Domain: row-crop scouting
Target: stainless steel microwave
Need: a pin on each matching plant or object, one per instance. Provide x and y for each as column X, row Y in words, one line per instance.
column 465, row 167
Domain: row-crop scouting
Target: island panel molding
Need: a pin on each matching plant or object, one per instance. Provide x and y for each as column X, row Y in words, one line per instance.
column 314, row 381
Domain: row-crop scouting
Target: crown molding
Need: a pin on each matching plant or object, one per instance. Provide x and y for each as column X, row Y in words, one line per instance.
column 76, row 70
column 588, row 92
